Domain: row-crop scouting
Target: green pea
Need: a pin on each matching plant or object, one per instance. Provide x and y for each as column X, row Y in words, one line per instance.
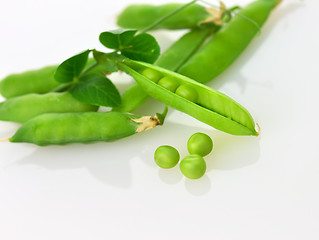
column 193, row 166
column 200, row 143
column 169, row 83
column 154, row 76
column 166, row 156
column 187, row 92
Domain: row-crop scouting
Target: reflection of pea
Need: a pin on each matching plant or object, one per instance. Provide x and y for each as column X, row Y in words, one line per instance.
column 166, row 156
column 193, row 166
column 200, row 143
column 169, row 83
column 187, row 92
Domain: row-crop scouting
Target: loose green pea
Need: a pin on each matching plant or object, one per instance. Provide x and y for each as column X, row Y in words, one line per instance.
column 152, row 75
column 187, row 92
column 166, row 156
column 169, row 83
column 193, row 166
column 200, row 143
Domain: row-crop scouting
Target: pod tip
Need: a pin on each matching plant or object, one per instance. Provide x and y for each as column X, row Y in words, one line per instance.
column 258, row 129
column 4, row 139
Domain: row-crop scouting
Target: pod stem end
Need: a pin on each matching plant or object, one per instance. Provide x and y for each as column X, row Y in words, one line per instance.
column 147, row 122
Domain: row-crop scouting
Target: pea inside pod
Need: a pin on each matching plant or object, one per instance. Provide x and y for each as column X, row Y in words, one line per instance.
column 211, row 107
column 172, row 59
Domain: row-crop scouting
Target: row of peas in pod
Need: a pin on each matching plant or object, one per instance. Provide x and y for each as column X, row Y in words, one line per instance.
column 192, row 166
column 171, row 84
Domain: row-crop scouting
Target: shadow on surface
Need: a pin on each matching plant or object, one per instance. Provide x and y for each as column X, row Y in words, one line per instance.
column 110, row 162
column 107, row 162
column 198, row 187
column 233, row 152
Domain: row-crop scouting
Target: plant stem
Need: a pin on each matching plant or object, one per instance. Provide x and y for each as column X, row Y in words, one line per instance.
column 62, row 87
column 89, row 68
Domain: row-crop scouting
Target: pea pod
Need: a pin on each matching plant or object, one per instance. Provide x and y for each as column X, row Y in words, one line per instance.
column 226, row 45
column 189, row 17
column 218, row 53
column 22, row 108
column 63, row 128
column 211, row 107
column 34, row 81
column 172, row 59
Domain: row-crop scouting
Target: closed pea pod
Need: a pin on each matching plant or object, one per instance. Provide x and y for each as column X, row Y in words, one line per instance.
column 226, row 45
column 211, row 107
column 190, row 17
column 166, row 156
column 63, row 128
column 34, row 81
column 22, row 108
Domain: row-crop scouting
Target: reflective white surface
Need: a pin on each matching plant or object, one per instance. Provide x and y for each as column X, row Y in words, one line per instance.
column 254, row 188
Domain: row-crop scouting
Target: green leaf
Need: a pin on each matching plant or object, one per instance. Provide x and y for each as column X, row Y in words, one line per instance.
column 117, row 39
column 96, row 89
column 143, row 47
column 72, row 67
column 106, row 61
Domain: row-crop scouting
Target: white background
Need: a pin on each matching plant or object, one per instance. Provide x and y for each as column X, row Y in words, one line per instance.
column 262, row 187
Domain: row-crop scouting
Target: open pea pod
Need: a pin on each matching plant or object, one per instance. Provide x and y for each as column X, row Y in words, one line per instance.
column 197, row 100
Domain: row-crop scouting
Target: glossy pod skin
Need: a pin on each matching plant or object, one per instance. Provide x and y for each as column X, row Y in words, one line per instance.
column 211, row 107
column 140, row 16
column 63, row 128
column 226, row 45
column 172, row 59
column 34, row 81
column 21, row 109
